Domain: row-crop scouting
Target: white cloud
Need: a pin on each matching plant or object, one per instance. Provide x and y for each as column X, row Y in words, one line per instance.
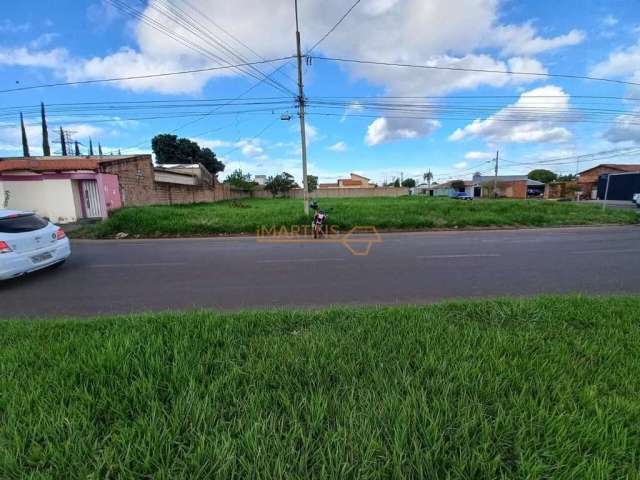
column 478, row 155
column 353, row 107
column 609, row 20
column 408, row 31
column 128, row 62
column 412, row 82
column 338, row 147
column 523, row 40
column 384, row 130
column 625, row 129
column 7, row 26
column 460, row 165
column 250, row 148
column 311, row 133
column 23, row 57
column 620, row 63
column 212, row 144
column 516, row 123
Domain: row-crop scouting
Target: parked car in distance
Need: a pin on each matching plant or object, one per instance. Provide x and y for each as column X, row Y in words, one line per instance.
column 29, row 243
column 462, row 196
column 636, row 199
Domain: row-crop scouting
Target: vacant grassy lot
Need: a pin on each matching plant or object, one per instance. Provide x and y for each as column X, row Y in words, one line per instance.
column 248, row 216
column 540, row 388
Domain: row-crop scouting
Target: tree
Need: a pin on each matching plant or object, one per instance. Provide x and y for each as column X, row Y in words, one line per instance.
column 209, row 161
column 25, row 143
column 63, row 143
column 171, row 149
column 46, row 149
column 396, row 183
column 427, row 177
column 77, row 148
column 240, row 180
column 280, row 184
column 458, row 185
column 312, row 182
column 99, row 149
column 90, row 147
column 542, row 175
column 567, row 178
column 409, row 183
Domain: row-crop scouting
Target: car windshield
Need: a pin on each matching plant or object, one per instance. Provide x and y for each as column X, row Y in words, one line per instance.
column 22, row 223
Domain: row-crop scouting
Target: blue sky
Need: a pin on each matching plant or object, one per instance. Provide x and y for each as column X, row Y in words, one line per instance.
column 529, row 119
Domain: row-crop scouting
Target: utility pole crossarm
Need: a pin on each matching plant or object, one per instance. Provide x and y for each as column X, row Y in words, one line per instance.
column 301, row 101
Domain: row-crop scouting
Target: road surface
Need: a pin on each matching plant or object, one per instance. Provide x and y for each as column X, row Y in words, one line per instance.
column 107, row 277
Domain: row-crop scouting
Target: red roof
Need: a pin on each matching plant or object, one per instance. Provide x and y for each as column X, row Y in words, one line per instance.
column 48, row 165
column 615, row 166
column 349, row 182
column 56, row 164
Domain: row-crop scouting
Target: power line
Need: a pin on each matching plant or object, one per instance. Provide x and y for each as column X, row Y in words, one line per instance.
column 181, row 22
column 468, row 118
column 330, row 31
column 475, row 70
column 466, row 97
column 211, row 21
column 572, row 158
column 141, row 77
column 183, row 18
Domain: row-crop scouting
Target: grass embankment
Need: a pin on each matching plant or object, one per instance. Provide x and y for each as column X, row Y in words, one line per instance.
column 247, row 216
column 539, row 388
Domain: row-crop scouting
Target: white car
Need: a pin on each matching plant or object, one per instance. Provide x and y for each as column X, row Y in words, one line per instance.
column 29, row 243
column 636, row 199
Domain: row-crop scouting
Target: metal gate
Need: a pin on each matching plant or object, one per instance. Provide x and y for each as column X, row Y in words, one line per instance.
column 91, row 198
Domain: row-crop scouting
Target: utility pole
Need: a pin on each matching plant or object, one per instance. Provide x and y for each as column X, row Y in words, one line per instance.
column 303, row 133
column 495, row 178
column 606, row 194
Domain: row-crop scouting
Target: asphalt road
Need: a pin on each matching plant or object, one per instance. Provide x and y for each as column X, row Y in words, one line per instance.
column 105, row 277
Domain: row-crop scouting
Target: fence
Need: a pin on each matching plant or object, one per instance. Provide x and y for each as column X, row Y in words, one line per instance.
column 340, row 193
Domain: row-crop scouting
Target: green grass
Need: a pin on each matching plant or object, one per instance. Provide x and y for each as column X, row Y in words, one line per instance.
column 537, row 388
column 248, row 216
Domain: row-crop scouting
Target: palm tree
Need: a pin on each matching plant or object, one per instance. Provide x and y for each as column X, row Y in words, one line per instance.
column 427, row 177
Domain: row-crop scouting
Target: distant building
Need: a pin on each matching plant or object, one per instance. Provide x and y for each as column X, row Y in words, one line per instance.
column 260, row 180
column 443, row 189
column 508, row 186
column 355, row 181
column 588, row 179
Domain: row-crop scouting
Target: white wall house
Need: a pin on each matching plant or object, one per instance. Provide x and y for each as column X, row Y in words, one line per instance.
column 63, row 190
column 57, row 199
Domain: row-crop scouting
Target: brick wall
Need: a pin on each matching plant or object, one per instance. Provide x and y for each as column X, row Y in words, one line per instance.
column 138, row 186
column 173, row 194
column 512, row 189
column 588, row 180
column 135, row 178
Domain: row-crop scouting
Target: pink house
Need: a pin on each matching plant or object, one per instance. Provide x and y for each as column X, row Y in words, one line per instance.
column 64, row 189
